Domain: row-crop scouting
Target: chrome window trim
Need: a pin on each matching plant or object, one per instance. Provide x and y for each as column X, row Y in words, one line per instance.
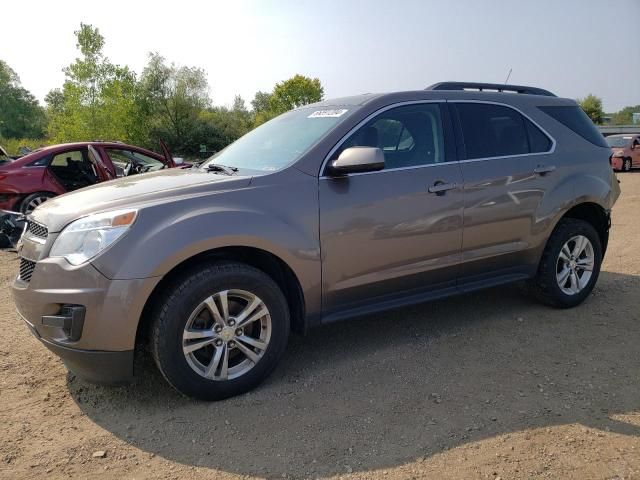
column 417, row 102
column 361, row 124
column 548, row 135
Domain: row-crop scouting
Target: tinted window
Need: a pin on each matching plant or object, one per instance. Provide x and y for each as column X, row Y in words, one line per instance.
column 574, row 118
column 538, row 141
column 492, row 130
column 409, row 136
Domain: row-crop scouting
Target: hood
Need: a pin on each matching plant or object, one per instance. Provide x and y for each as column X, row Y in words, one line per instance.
column 132, row 192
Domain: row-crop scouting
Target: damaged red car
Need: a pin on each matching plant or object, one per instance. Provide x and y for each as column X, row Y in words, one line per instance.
column 50, row 171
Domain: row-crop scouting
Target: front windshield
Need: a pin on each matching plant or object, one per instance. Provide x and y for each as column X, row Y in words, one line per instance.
column 279, row 142
column 618, row 141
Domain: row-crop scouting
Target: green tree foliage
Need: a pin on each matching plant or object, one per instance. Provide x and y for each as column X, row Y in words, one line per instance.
column 295, row 92
column 624, row 116
column 97, row 98
column 102, row 100
column 20, row 114
column 261, row 102
column 172, row 99
column 287, row 95
column 592, row 106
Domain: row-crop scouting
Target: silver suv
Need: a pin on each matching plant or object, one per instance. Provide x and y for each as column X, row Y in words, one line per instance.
column 333, row 210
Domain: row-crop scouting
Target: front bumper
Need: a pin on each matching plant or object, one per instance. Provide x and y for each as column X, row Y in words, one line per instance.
column 92, row 365
column 102, row 349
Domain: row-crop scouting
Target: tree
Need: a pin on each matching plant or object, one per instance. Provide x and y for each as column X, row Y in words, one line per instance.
column 261, row 102
column 20, row 114
column 592, row 106
column 625, row 116
column 295, row 92
column 97, row 98
column 173, row 98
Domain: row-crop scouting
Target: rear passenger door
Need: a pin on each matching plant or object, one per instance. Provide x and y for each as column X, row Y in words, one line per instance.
column 507, row 169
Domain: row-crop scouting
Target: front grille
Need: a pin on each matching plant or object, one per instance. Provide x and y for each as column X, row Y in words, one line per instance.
column 26, row 269
column 37, row 230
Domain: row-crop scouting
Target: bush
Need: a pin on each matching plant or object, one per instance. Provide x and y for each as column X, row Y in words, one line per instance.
column 12, row 145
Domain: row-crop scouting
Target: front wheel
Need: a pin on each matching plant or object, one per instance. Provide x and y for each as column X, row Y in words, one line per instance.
column 221, row 330
column 570, row 264
column 33, row 201
column 626, row 165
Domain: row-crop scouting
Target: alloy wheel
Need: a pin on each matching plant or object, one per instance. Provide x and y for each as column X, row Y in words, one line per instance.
column 227, row 334
column 575, row 265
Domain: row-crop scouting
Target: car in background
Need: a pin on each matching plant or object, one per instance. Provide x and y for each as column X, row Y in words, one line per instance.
column 47, row 172
column 626, row 152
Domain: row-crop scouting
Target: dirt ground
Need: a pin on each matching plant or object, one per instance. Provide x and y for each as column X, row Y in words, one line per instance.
column 487, row 385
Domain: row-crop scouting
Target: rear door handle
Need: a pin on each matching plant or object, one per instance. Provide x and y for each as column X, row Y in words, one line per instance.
column 543, row 170
column 440, row 188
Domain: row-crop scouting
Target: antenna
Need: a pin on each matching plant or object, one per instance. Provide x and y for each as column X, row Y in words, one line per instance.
column 508, row 76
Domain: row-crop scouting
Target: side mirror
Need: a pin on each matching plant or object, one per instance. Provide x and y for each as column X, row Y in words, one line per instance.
column 357, row 160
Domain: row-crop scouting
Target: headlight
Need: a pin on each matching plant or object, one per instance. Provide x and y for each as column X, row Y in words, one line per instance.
column 85, row 238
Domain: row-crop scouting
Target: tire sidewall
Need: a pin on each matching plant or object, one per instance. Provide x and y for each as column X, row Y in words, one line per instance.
column 564, row 233
column 189, row 294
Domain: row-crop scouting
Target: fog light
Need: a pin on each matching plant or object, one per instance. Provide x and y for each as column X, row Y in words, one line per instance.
column 70, row 320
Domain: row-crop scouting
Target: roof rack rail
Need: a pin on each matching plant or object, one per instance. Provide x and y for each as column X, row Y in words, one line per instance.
column 496, row 87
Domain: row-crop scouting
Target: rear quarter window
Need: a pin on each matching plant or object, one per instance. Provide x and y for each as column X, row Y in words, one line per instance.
column 573, row 117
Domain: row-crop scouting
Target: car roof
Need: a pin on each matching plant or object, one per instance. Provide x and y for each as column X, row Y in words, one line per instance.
column 40, row 152
column 491, row 96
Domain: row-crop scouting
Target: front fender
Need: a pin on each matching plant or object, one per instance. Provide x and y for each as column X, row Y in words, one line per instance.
column 281, row 221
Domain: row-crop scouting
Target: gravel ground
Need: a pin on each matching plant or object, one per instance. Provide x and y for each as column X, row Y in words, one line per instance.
column 487, row 385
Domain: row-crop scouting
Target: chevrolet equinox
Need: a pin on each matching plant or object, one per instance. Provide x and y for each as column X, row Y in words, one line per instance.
column 333, row 210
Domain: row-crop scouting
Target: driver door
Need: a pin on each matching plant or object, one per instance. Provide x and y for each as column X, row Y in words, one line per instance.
column 394, row 234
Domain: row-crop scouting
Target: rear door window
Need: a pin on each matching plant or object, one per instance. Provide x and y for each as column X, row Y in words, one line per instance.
column 492, row 130
column 73, row 169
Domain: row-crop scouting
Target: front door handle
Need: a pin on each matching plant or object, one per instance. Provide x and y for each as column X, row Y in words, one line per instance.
column 543, row 170
column 440, row 188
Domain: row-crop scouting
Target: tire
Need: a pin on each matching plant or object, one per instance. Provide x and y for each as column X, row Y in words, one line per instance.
column 546, row 284
column 30, row 202
column 197, row 374
column 626, row 165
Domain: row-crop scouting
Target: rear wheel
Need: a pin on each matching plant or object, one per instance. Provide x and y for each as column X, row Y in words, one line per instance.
column 221, row 330
column 570, row 264
column 31, row 202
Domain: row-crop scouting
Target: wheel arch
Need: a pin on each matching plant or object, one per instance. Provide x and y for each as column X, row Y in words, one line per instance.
column 263, row 260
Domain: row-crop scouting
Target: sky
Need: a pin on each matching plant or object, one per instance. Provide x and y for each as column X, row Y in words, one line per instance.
column 571, row 47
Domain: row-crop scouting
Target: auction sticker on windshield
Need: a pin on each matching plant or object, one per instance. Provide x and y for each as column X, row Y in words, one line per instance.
column 328, row 113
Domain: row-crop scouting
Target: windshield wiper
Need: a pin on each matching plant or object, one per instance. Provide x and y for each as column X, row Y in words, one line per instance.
column 216, row 167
